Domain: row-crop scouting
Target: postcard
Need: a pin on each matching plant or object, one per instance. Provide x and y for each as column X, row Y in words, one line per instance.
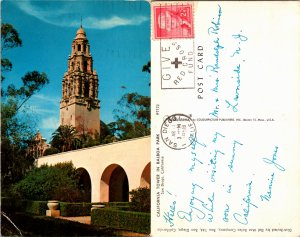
column 225, row 118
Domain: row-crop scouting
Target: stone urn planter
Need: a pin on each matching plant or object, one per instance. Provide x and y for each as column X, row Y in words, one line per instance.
column 53, row 204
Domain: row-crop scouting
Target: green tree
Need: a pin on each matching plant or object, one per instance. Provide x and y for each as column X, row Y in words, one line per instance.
column 147, row 67
column 33, row 82
column 88, row 140
column 133, row 116
column 16, row 129
column 60, row 182
column 50, row 151
column 9, row 39
column 106, row 133
column 65, row 138
column 140, row 199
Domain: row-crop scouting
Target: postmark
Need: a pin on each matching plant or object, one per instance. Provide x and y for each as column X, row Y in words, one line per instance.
column 178, row 131
column 173, row 21
column 177, row 64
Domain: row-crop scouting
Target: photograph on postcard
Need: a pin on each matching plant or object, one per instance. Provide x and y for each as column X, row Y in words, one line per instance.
column 75, row 118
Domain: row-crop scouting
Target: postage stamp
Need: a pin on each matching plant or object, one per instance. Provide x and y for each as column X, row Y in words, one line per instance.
column 173, row 21
column 178, row 131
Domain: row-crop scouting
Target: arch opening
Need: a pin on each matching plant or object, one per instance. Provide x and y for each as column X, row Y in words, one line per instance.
column 84, row 184
column 114, row 185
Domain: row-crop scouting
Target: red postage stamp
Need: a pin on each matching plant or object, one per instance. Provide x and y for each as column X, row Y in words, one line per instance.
column 173, row 21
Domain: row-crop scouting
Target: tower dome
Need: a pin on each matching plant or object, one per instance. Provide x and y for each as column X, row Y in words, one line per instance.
column 80, row 33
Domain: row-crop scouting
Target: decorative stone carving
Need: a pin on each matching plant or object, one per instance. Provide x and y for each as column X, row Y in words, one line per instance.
column 80, row 87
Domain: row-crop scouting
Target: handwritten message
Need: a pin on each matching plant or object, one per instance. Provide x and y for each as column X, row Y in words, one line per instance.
column 216, row 71
column 211, row 196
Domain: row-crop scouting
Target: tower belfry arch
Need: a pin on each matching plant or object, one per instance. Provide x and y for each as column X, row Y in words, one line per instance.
column 79, row 105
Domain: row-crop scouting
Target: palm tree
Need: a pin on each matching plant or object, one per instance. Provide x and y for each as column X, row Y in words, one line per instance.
column 65, row 138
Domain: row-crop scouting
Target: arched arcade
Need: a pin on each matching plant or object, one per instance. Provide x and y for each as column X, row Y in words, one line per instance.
column 109, row 172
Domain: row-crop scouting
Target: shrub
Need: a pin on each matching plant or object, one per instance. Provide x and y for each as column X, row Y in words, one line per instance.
column 117, row 204
column 140, row 200
column 50, row 151
column 8, row 204
column 67, row 194
column 75, row 209
column 11, row 205
column 124, row 206
column 48, row 226
column 35, row 207
column 132, row 221
column 50, row 182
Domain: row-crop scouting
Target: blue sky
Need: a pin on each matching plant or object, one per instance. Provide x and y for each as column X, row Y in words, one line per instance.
column 119, row 37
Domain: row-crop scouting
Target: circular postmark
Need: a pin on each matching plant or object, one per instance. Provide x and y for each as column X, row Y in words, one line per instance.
column 178, row 131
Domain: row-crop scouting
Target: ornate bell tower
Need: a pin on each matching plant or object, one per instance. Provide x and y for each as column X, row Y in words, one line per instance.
column 79, row 105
